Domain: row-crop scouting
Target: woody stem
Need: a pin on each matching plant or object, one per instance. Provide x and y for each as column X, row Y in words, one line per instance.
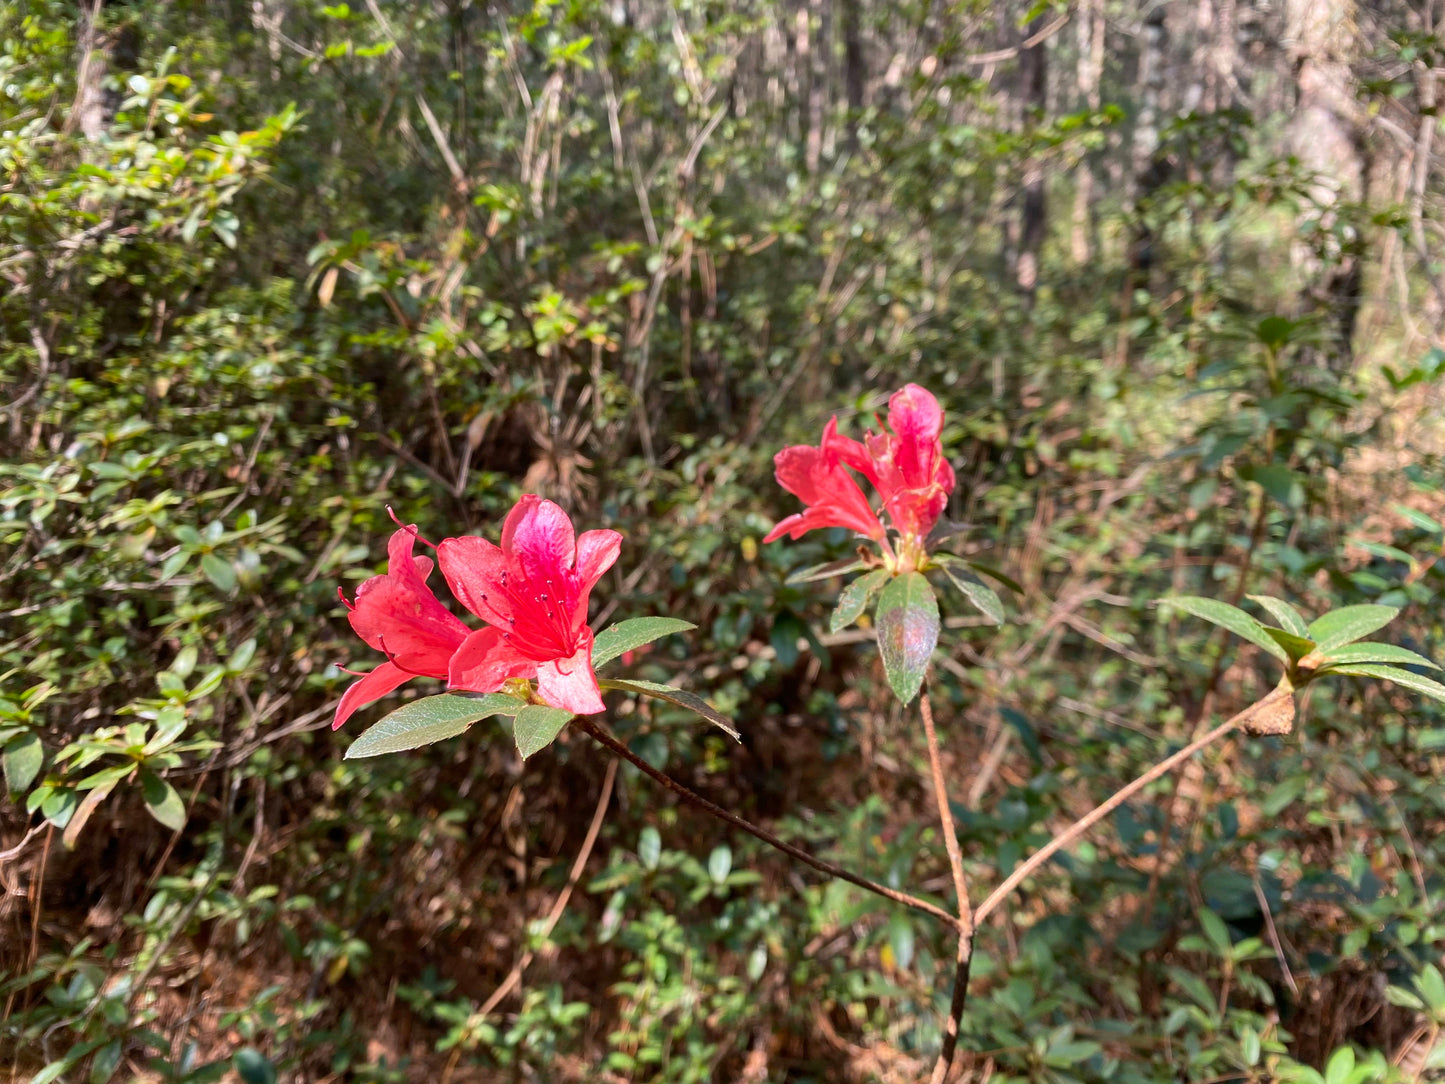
column 605, row 738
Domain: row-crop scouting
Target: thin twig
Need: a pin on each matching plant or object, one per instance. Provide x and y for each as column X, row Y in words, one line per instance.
column 1098, row 813
column 960, row 889
column 603, row 737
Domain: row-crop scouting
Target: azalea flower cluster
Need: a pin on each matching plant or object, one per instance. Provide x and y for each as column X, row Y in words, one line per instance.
column 531, row 592
column 904, row 462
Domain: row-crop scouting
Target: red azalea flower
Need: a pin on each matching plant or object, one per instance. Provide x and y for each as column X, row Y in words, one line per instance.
column 398, row 615
column 833, row 499
column 532, row 592
column 907, row 465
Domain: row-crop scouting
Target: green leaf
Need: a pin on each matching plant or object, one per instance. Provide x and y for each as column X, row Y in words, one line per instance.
column 1350, row 623
column 627, row 635
column 59, row 806
column 984, row 598
column 855, row 598
column 105, row 1062
column 430, row 719
column 536, row 726
column 22, row 760
column 720, row 863
column 1403, row 678
column 1290, row 619
column 1228, row 617
column 162, row 801
column 823, row 571
column 907, row 622
column 219, row 572
column 1217, row 933
column 1372, row 652
column 1278, row 481
column 681, row 697
column 253, row 1068
column 50, row 1072
column 995, row 574
column 1297, row 646
column 649, row 847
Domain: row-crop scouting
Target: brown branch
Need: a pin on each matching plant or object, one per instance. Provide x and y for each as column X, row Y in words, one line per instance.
column 960, row 889
column 604, row 738
column 1098, row 813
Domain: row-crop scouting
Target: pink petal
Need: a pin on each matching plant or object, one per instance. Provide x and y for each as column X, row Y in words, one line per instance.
column 473, row 569
column 570, row 684
column 398, row 614
column 596, row 552
column 849, row 451
column 384, row 679
column 486, row 660
column 914, row 414
column 539, row 532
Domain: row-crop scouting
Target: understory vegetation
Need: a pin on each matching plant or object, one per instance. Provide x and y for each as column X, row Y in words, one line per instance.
column 269, row 268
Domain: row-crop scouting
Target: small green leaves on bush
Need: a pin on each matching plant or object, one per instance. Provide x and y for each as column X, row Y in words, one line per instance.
column 616, row 640
column 983, row 597
column 1232, row 618
column 907, row 621
column 823, row 571
column 430, row 719
column 681, row 697
column 537, row 726
column 854, row 599
column 1348, row 624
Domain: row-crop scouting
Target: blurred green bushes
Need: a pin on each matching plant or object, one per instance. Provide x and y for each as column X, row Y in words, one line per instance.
column 322, row 260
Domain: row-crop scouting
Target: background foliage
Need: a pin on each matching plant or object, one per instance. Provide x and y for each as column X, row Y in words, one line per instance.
column 1174, row 272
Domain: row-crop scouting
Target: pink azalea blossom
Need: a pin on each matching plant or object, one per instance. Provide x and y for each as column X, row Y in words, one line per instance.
column 399, row 616
column 906, row 466
column 833, row 499
column 532, row 592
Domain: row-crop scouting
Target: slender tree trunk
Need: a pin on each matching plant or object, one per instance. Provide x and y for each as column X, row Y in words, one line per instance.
column 854, row 70
column 1033, row 93
column 1089, row 74
column 1328, row 141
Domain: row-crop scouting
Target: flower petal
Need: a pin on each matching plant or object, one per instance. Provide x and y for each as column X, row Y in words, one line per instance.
column 596, row 552
column 849, row 451
column 485, row 660
column 384, row 679
column 398, row 614
column 540, row 534
column 571, row 684
column 820, row 482
column 474, row 569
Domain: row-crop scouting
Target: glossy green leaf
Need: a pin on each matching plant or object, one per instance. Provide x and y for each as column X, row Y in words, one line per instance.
column 1228, row 617
column 983, row 597
column 537, row 726
column 649, row 847
column 1348, row 624
column 681, row 697
column 1289, row 619
column 105, row 1062
column 1372, row 652
column 823, row 571
column 626, row 636
column 430, row 719
column 253, row 1067
column 219, row 572
column 22, row 760
column 907, row 623
column 162, row 801
column 1296, row 646
column 1404, row 678
column 854, row 599
column 720, row 863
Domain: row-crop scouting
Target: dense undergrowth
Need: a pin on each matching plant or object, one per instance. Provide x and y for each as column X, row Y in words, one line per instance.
column 278, row 295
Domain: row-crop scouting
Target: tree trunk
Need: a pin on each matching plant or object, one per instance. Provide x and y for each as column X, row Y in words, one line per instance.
column 1033, row 92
